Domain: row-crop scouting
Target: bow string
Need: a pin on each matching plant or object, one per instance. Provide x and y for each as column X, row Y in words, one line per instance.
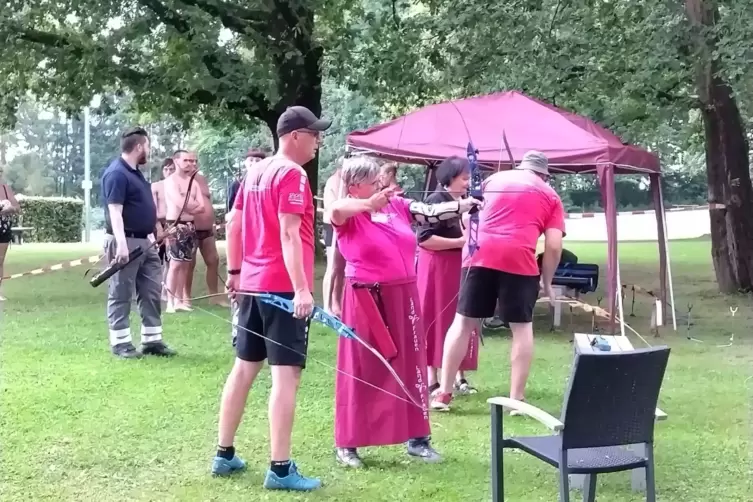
column 321, row 316
column 475, row 190
column 185, row 203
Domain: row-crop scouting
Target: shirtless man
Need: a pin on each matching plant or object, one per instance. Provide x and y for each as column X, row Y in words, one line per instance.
column 204, row 222
column 158, row 193
column 181, row 247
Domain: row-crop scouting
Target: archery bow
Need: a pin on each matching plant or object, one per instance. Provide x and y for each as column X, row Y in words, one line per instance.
column 477, row 192
column 321, row 316
column 185, row 203
column 342, row 329
column 307, row 356
column 509, row 151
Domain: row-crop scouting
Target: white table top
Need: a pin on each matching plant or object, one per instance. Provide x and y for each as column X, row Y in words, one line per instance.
column 618, row 343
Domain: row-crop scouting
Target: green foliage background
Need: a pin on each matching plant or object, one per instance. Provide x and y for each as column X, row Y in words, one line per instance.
column 52, row 219
column 628, row 65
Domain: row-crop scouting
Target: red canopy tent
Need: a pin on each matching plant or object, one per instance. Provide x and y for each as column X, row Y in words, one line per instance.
column 573, row 144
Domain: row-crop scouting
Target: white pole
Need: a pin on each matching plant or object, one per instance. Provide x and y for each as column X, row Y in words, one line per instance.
column 619, row 298
column 87, row 177
column 669, row 260
column 149, row 160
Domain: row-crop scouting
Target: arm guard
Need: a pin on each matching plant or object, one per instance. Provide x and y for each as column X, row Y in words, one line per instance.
column 433, row 213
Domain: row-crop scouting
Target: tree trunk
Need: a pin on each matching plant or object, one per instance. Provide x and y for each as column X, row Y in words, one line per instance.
column 299, row 79
column 727, row 163
column 3, row 150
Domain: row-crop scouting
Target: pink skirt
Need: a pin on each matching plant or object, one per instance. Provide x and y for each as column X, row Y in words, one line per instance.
column 438, row 286
column 364, row 415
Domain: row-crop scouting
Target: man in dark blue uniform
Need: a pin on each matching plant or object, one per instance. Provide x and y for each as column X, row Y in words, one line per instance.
column 131, row 222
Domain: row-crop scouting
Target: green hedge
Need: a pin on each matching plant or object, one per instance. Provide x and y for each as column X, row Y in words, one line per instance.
column 53, row 219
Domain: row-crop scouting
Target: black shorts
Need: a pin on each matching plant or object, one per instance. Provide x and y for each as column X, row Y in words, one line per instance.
column 482, row 287
column 329, row 234
column 202, row 235
column 275, row 324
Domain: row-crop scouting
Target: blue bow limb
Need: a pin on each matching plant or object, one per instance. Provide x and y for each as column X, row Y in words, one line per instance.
column 318, row 314
column 342, row 330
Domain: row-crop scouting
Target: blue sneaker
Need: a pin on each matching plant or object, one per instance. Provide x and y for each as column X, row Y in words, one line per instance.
column 223, row 467
column 293, row 481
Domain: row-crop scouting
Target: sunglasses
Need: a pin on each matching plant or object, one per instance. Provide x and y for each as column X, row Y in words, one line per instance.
column 316, row 134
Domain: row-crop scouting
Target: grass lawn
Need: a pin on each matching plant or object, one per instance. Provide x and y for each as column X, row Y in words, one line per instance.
column 78, row 424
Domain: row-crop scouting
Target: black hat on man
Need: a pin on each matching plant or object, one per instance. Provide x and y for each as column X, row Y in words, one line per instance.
column 300, row 117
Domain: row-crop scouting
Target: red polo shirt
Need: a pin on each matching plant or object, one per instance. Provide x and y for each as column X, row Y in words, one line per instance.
column 519, row 207
column 273, row 187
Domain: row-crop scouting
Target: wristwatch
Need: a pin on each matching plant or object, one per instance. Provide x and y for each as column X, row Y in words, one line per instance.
column 233, row 272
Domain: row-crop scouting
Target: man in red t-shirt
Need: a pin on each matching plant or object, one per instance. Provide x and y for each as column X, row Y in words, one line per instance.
column 270, row 249
column 519, row 207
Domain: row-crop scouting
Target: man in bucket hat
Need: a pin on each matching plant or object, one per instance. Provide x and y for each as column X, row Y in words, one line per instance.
column 519, row 207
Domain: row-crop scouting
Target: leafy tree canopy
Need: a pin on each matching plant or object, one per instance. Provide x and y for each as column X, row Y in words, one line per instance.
column 229, row 60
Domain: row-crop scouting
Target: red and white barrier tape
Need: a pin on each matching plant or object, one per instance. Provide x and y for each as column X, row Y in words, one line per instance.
column 56, row 267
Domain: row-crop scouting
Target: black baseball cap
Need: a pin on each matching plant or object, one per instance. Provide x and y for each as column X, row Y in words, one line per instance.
column 256, row 153
column 300, row 117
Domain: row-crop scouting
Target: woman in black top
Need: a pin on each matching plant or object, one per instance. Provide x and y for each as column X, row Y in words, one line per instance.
column 438, row 270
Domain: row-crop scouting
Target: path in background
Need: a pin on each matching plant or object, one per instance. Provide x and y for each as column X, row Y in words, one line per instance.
column 682, row 223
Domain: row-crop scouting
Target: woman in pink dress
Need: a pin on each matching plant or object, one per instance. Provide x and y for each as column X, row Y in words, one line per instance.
column 381, row 303
column 439, row 261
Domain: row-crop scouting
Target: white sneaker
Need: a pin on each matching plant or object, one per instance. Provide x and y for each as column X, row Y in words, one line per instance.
column 464, row 388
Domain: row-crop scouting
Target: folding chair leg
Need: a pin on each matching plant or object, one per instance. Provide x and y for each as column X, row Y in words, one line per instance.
column 564, row 478
column 589, row 488
column 498, row 474
column 650, row 474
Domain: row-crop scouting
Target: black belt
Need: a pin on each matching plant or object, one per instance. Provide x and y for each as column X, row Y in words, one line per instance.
column 133, row 235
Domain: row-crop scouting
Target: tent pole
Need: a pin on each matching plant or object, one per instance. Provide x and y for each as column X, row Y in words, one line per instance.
column 619, row 298
column 669, row 260
column 605, row 175
column 655, row 183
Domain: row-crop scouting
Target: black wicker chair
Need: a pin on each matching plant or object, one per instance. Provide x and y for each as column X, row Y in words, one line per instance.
column 610, row 404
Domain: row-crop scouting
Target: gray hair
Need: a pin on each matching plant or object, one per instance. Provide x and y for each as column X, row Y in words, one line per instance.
column 359, row 169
